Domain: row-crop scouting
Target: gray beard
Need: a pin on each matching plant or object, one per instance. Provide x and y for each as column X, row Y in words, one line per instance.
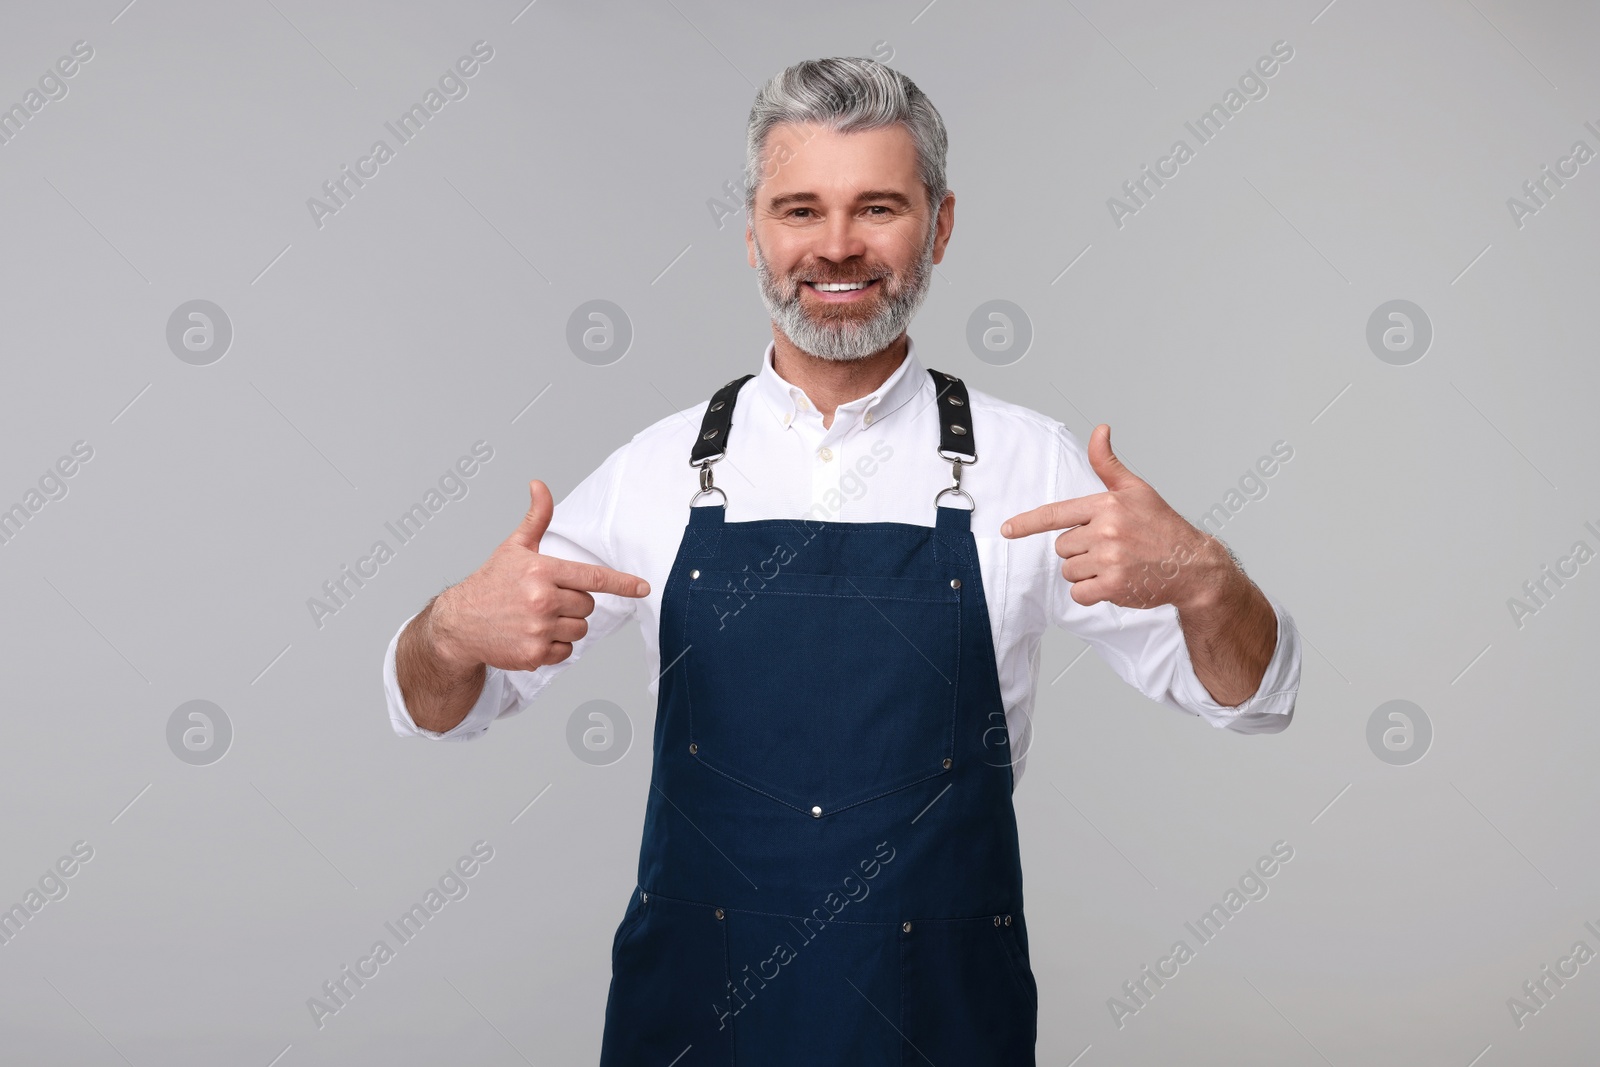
column 843, row 339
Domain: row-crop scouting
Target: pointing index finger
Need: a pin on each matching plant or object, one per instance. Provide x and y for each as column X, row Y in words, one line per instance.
column 1057, row 515
column 594, row 578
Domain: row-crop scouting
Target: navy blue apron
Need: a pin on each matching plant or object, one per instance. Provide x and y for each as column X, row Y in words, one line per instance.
column 829, row 871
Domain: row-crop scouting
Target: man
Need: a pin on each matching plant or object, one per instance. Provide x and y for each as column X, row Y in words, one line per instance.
column 844, row 621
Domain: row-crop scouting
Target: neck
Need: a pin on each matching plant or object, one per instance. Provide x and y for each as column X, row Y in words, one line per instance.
column 831, row 382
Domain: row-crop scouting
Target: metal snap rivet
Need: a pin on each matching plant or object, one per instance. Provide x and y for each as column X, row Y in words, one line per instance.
column 947, row 763
column 906, row 927
column 693, row 748
column 719, row 913
column 958, row 429
column 956, row 400
column 694, row 573
column 644, row 898
column 955, row 583
column 709, row 434
column 1008, row 920
column 719, row 405
column 816, row 811
column 997, row 920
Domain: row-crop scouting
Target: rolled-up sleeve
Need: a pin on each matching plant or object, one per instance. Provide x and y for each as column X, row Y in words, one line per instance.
column 580, row 530
column 1271, row 707
column 1146, row 648
column 504, row 693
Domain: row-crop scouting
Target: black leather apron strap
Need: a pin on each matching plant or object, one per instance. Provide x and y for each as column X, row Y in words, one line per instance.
column 713, row 439
column 955, row 417
column 956, row 442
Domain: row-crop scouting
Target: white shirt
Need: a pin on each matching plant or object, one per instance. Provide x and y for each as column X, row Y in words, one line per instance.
column 877, row 462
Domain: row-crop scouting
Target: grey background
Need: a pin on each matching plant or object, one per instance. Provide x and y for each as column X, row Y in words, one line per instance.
column 370, row 353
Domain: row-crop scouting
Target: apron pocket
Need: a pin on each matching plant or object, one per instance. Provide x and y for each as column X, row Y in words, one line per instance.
column 635, row 911
column 807, row 996
column 1027, row 986
column 669, row 987
column 962, row 997
column 821, row 691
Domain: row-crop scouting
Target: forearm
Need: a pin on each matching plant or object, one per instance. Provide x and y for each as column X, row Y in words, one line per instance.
column 1231, row 631
column 438, row 690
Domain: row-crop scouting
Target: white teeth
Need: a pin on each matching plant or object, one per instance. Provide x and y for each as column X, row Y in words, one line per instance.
column 838, row 287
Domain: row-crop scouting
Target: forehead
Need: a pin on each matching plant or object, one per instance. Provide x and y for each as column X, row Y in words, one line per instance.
column 806, row 157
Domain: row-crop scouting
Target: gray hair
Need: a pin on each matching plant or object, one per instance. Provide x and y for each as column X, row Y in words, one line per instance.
column 846, row 94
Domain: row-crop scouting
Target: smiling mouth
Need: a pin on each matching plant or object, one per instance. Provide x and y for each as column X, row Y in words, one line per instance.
column 841, row 287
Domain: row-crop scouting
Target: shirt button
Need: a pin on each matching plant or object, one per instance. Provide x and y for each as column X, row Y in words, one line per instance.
column 866, row 420
column 786, row 418
column 825, row 454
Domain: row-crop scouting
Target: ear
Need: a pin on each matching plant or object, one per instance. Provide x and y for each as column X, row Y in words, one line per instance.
column 750, row 244
column 945, row 222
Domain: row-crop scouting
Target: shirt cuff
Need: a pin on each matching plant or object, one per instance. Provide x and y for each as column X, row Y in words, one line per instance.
column 1271, row 707
column 490, row 704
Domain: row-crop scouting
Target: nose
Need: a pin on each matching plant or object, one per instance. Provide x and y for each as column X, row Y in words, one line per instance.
column 840, row 238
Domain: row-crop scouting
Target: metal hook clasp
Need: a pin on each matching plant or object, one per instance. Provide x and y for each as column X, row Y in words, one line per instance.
column 705, row 481
column 956, row 463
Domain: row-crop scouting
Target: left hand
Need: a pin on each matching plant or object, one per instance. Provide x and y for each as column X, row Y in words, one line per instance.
column 1127, row 545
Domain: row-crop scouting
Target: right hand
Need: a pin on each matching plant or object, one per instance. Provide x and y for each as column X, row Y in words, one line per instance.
column 522, row 610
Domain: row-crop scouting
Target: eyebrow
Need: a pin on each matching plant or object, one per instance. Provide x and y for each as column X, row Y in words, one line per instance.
column 898, row 199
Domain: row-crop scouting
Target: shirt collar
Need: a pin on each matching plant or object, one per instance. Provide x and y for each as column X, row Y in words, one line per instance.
column 787, row 401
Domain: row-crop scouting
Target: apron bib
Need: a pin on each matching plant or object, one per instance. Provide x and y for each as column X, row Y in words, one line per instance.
column 829, row 871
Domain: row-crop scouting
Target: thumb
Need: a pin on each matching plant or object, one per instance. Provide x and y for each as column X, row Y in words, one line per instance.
column 1110, row 469
column 533, row 524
